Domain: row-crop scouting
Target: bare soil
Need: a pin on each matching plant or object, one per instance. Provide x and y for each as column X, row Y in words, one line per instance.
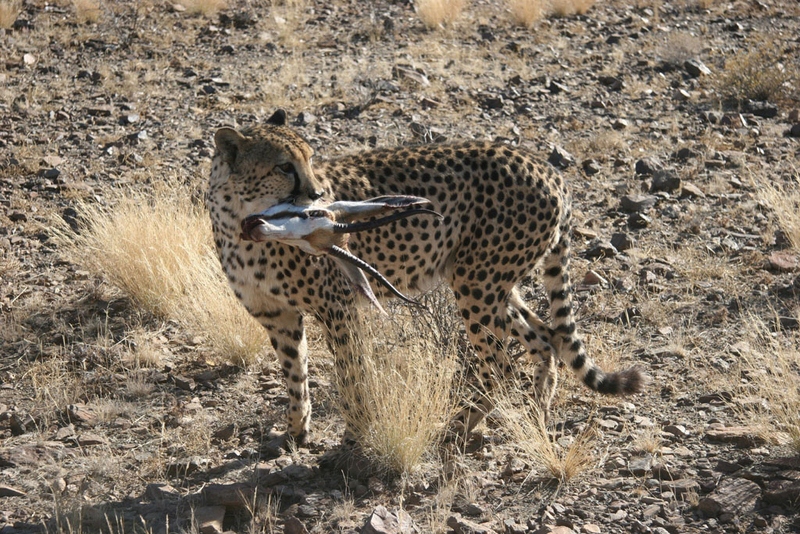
column 107, row 412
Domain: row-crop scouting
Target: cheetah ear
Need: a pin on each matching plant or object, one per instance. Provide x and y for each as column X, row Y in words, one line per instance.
column 228, row 142
column 278, row 118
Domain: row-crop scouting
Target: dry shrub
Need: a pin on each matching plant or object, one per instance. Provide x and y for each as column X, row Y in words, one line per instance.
column 9, row 11
column 678, row 47
column 158, row 249
column 87, row 10
column 205, row 8
column 770, row 371
column 759, row 74
column 439, row 13
column 784, row 201
column 401, row 393
column 525, row 423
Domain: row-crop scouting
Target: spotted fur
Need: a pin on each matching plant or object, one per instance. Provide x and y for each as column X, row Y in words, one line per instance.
column 503, row 211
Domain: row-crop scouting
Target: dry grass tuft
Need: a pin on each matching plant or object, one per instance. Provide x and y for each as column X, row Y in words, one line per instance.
column 401, row 393
column 206, row 8
column 771, row 371
column 9, row 11
column 439, row 13
column 158, row 249
column 87, row 11
column 759, row 74
column 526, row 425
column 567, row 8
column 526, row 12
column 784, row 201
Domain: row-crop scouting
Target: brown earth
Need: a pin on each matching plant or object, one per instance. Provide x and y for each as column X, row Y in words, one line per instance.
column 661, row 168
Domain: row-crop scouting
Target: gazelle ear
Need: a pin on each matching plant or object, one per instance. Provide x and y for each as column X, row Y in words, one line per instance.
column 228, row 141
column 278, row 118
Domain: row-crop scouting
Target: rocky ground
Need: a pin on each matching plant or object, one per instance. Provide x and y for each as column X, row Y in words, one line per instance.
column 679, row 261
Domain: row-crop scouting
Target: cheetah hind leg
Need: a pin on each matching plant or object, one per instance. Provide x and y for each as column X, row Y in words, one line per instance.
column 536, row 337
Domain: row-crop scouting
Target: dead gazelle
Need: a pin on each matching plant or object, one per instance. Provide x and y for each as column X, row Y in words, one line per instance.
column 325, row 229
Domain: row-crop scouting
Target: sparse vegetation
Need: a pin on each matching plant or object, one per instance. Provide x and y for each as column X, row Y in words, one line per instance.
column 562, row 459
column 770, row 372
column 87, row 11
column 401, row 394
column 784, row 202
column 759, row 74
column 439, row 13
column 206, row 8
column 526, row 12
column 157, row 248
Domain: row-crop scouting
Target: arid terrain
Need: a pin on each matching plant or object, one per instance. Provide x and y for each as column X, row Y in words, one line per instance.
column 677, row 124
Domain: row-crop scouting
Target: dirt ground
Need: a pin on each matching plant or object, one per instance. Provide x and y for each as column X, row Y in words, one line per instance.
column 668, row 118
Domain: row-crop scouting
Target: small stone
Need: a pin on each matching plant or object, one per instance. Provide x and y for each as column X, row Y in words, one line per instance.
column 381, row 521
column 648, row 166
column 225, row 433
column 794, row 131
column 29, row 59
column 237, row 495
column 592, row 278
column 184, row 383
column 682, row 94
column 696, row 68
column 683, row 487
column 590, row 167
column 80, row 413
column 209, row 519
column 620, row 124
column 158, row 491
column 556, row 87
column 639, row 220
column 87, row 439
column 639, row 466
column 733, row 495
column 600, row 249
column 691, row 191
column 560, row 158
column 637, row 203
column 677, row 430
column 782, row 261
column 65, row 432
column 742, row 436
column 665, row 180
column 621, row 241
column 591, row 528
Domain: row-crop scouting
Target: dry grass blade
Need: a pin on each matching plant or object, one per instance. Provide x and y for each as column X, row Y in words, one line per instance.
column 784, row 201
column 400, row 393
column 525, row 423
column 9, row 11
column 439, row 13
column 87, row 10
column 526, row 12
column 567, row 8
column 157, row 248
column 771, row 371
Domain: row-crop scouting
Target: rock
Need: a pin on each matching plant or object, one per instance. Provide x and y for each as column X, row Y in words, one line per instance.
column 782, row 261
column 590, row 167
column 794, row 131
column 683, row 487
column 691, row 191
column 465, row 526
column 592, row 278
column 741, row 436
column 65, row 432
column 9, row 491
column 732, row 496
column 665, row 180
column 637, row 203
column 209, row 519
column 591, row 528
column 600, row 249
column 677, row 431
column 87, row 439
column 640, row 466
column 696, row 68
column 225, row 433
column 639, row 220
column 782, row 491
column 765, row 110
column 159, row 491
column 381, row 521
column 236, row 495
column 184, row 383
column 648, row 166
column 621, row 241
column 80, row 413
column 511, row 527
column 620, row 124
column 292, row 525
column 560, row 158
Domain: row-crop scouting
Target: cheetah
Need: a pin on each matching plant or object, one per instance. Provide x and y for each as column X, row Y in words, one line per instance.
column 502, row 213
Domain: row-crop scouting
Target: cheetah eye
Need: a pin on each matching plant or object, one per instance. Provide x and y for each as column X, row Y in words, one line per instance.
column 287, row 168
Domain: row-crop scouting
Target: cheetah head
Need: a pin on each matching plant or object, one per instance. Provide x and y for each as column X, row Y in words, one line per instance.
column 261, row 166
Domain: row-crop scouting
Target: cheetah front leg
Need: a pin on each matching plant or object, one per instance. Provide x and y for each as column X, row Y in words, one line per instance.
column 288, row 337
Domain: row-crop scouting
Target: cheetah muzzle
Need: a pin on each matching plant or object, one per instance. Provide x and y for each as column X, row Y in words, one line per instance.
column 304, row 252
